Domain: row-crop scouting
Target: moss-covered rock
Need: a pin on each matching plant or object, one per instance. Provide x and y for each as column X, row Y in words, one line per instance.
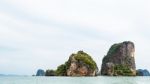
column 81, row 64
column 82, row 56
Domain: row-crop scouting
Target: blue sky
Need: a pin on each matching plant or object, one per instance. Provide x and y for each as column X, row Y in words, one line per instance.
column 43, row 33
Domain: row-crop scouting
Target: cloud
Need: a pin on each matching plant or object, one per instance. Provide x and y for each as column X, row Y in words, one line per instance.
column 46, row 32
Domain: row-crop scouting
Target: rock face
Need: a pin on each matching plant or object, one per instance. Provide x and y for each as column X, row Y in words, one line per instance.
column 141, row 72
column 80, row 64
column 40, row 72
column 119, row 60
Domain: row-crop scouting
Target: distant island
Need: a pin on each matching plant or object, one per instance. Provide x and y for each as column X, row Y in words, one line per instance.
column 119, row 61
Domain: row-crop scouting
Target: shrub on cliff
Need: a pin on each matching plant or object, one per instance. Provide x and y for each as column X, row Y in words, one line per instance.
column 122, row 70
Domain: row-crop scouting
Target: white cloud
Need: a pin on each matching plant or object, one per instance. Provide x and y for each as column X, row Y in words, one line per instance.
column 48, row 31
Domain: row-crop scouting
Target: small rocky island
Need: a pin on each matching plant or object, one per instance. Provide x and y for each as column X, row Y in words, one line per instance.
column 40, row 72
column 119, row 60
column 79, row 64
column 142, row 72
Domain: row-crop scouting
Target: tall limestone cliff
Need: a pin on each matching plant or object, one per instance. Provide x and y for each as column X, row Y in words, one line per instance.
column 119, row 60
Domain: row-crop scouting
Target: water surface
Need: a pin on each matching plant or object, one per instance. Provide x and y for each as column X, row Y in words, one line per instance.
column 73, row 80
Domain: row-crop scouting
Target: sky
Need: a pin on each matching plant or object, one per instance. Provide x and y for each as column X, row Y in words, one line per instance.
column 42, row 34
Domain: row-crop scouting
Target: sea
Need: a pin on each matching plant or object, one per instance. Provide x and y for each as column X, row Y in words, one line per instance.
column 73, row 80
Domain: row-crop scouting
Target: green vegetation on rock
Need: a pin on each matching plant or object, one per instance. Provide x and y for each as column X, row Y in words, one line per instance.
column 113, row 49
column 82, row 56
column 122, row 70
column 61, row 70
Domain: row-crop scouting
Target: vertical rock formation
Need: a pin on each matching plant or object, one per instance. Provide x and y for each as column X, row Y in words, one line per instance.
column 119, row 60
column 81, row 64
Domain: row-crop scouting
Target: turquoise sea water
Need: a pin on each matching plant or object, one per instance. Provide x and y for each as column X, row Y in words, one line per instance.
column 73, row 80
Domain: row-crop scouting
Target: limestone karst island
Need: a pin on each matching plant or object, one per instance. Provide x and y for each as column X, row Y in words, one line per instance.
column 119, row 61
